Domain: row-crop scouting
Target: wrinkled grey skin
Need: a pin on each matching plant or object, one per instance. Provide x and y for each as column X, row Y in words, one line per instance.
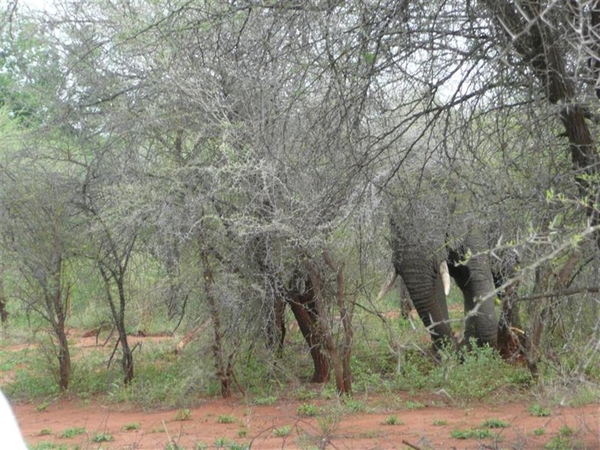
column 426, row 232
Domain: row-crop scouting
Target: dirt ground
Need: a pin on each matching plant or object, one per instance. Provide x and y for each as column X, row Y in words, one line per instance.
column 280, row 426
column 259, row 426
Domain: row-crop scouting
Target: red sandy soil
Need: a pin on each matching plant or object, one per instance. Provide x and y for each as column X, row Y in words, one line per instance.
column 353, row 431
column 429, row 427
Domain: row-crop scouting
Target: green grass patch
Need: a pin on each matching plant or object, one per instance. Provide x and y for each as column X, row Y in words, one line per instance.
column 539, row 411
column 472, row 433
column 182, row 415
column 48, row 446
column 72, row 432
column 226, row 418
column 268, row 400
column 414, row 405
column 392, row 420
column 495, row 423
column 102, row 437
column 354, row 406
column 131, row 426
column 562, row 443
column 282, row 431
column 307, row 410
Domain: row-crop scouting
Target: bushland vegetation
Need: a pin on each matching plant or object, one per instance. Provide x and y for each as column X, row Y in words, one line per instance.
column 216, row 171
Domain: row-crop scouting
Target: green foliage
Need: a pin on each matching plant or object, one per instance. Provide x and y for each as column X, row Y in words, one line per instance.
column 302, row 394
column 308, row 410
column 439, row 422
column 222, row 442
column 102, row 437
column 131, row 426
column 539, row 431
column 42, row 407
column 282, row 431
column 566, row 431
column 354, row 406
column 184, row 414
column 392, row 420
column 72, row 432
column 495, row 423
column 539, row 411
column 412, row 405
column 48, row 446
column 562, row 443
column 464, row 376
column 269, row 400
column 162, row 380
column 226, row 418
column 472, row 433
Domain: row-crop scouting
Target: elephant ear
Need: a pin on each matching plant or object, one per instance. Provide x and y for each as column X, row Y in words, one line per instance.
column 445, row 274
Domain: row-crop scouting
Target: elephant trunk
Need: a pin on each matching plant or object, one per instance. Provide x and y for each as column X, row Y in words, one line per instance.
column 426, row 289
column 470, row 269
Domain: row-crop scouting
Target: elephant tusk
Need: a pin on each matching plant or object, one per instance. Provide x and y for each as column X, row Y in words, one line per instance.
column 445, row 273
column 517, row 331
column 389, row 282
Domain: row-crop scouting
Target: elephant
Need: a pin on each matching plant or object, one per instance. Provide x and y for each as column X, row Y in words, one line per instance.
column 429, row 235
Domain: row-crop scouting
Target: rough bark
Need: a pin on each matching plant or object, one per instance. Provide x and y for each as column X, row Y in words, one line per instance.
column 304, row 310
column 223, row 370
column 323, row 324
column 346, row 319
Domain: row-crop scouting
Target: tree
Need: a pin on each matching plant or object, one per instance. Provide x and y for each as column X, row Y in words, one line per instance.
column 38, row 233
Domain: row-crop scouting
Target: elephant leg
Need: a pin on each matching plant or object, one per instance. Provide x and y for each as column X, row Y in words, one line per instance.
column 426, row 289
column 474, row 278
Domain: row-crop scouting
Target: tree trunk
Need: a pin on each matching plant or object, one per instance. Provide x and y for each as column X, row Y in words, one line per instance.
column 3, row 311
column 323, row 324
column 511, row 343
column 118, row 317
column 303, row 308
column 277, row 330
column 64, row 363
column 64, row 356
column 346, row 318
column 127, row 358
column 224, row 372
